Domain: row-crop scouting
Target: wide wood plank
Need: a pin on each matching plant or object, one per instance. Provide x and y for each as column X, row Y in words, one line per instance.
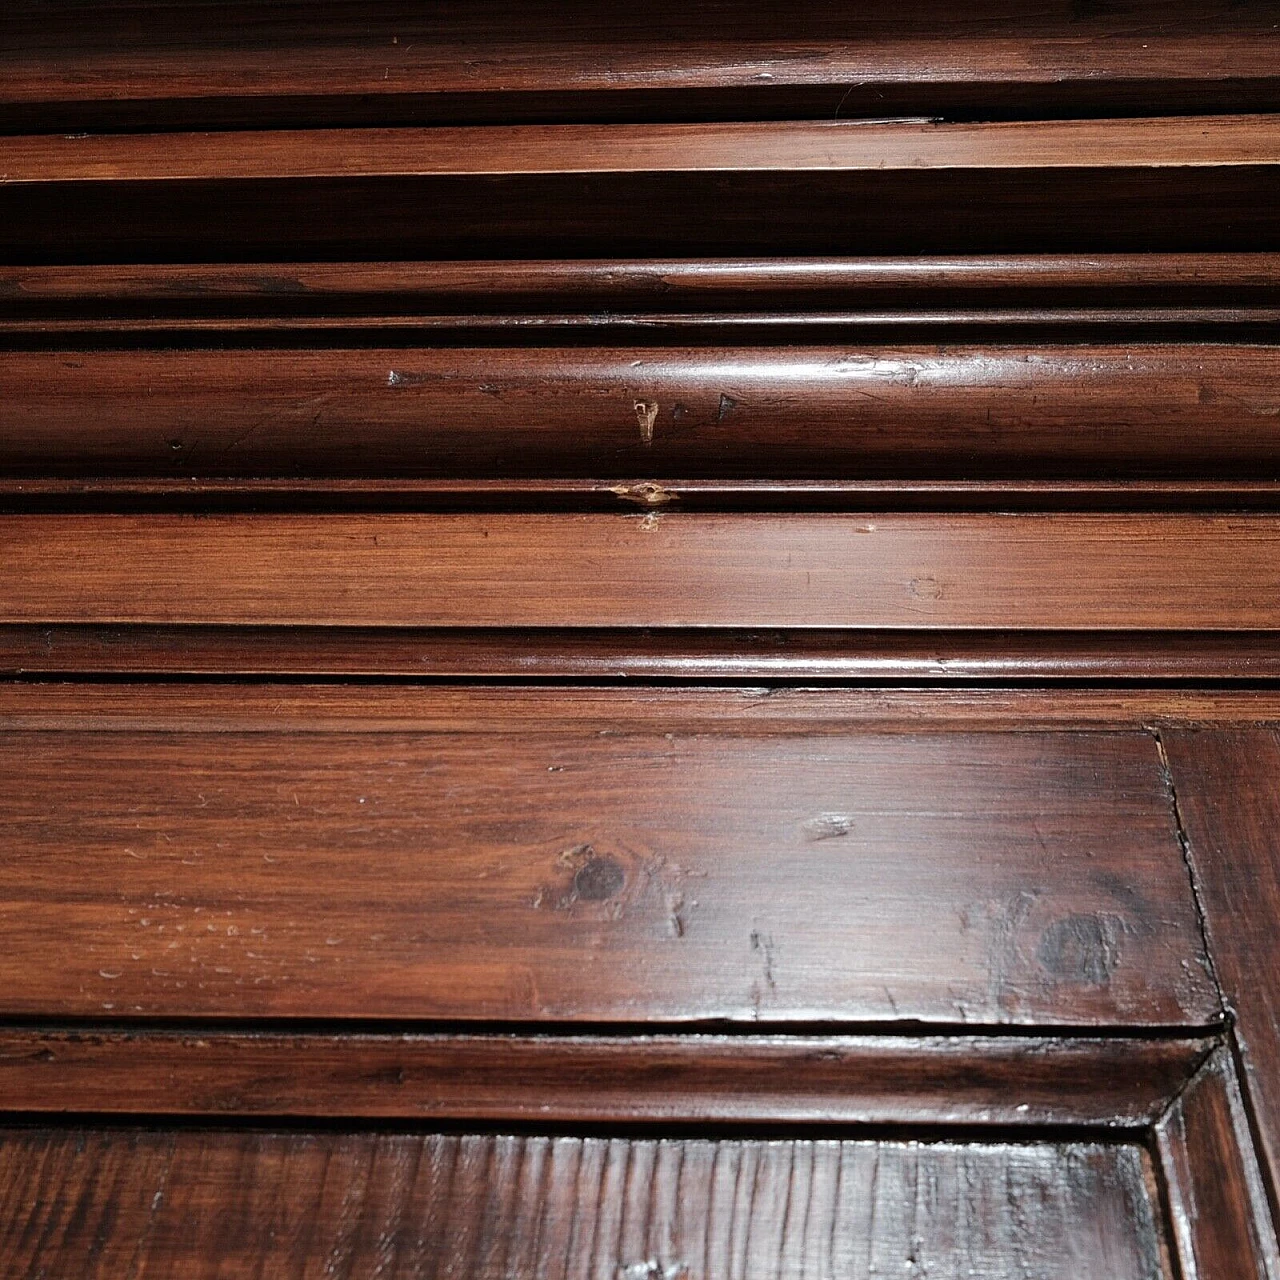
column 622, row 871
column 1067, row 572
column 1151, row 409
column 100, row 1203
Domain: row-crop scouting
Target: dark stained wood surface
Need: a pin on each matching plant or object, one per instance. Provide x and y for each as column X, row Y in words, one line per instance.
column 214, row 707
column 143, row 64
column 1228, row 787
column 1071, row 572
column 832, row 145
column 103, row 1203
column 207, row 494
column 1163, row 410
column 691, row 1079
column 1217, row 1205
column 663, row 285
column 630, row 872
column 830, row 187
column 641, row 654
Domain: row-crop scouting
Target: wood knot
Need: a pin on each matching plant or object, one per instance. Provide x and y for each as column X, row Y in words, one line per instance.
column 598, row 879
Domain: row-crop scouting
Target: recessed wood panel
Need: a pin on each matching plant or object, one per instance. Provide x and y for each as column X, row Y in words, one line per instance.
column 622, row 871
column 103, row 1203
column 1014, row 572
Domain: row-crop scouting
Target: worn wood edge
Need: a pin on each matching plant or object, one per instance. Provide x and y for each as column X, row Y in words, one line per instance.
column 1111, row 1082
column 1217, row 1205
column 745, row 283
column 636, row 654
column 566, row 149
column 194, row 493
column 274, row 707
column 999, row 324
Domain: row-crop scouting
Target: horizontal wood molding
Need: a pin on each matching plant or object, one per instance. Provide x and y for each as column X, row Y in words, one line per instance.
column 639, row 654
column 78, row 706
column 207, row 1203
column 962, row 412
column 647, row 285
column 828, row 187
column 640, row 871
column 688, row 1079
column 1013, row 572
column 128, row 66
column 1218, row 1207
column 776, row 146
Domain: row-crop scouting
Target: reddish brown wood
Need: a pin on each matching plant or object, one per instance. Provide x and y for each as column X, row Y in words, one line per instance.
column 1073, row 572
column 687, row 1079
column 74, row 706
column 333, row 494
column 693, row 284
column 1227, row 798
column 650, row 872
column 1218, row 1209
column 828, row 187
column 782, row 146
column 138, row 64
column 631, row 654
column 98, row 1203
column 1195, row 410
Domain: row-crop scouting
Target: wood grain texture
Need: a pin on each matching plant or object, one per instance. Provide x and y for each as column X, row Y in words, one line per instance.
column 1218, row 1208
column 138, row 64
column 687, row 1079
column 831, row 188
column 625, row 872
column 1014, row 572
column 781, row 146
column 753, row 284
column 640, row 654
column 76, row 706
column 207, row 494
column 98, row 1203
column 1146, row 409
column 1227, row 798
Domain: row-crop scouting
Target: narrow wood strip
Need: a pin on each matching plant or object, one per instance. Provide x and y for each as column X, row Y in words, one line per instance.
column 1151, row 143
column 1053, row 322
column 631, row 873
column 684, row 1079
column 87, row 707
column 1068, row 572
column 501, row 653
column 533, row 493
column 758, row 283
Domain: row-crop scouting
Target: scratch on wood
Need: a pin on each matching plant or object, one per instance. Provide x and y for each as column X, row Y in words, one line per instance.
column 646, row 416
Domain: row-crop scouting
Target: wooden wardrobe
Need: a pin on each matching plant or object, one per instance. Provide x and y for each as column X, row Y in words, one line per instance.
column 640, row 643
